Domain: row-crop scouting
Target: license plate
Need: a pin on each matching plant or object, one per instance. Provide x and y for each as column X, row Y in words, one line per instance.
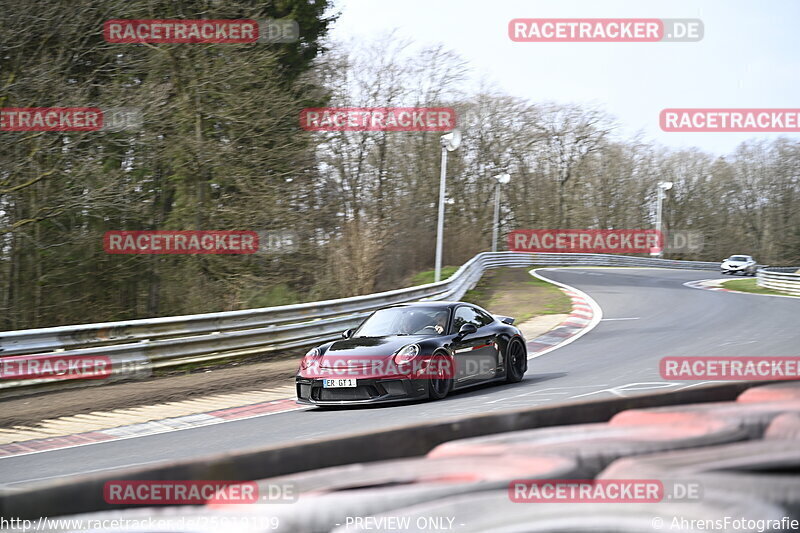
column 338, row 383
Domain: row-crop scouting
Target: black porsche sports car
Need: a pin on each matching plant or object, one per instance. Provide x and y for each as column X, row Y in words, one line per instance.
column 413, row 351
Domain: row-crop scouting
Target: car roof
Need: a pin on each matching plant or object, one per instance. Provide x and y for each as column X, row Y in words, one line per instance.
column 449, row 305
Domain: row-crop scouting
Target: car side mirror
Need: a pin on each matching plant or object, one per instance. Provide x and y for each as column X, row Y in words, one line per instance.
column 466, row 329
column 346, row 334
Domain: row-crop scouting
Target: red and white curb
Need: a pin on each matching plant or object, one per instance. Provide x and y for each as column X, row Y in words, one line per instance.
column 715, row 285
column 585, row 315
column 708, row 284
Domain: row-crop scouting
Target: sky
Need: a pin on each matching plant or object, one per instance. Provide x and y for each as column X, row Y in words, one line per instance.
column 749, row 56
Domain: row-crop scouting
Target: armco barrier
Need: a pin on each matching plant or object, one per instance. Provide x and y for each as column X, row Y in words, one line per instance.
column 136, row 347
column 783, row 279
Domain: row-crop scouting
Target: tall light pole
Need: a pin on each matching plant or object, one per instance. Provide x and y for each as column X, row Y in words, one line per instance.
column 449, row 142
column 663, row 186
column 502, row 179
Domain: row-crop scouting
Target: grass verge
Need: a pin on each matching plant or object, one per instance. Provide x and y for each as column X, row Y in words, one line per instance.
column 750, row 285
column 427, row 276
column 514, row 292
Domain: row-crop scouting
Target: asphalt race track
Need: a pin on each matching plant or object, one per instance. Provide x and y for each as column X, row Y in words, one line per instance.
column 647, row 314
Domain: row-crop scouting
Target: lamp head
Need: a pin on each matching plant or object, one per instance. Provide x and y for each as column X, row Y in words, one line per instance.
column 503, row 178
column 452, row 140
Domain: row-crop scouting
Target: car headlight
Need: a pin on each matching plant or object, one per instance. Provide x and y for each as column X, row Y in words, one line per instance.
column 406, row 354
column 311, row 356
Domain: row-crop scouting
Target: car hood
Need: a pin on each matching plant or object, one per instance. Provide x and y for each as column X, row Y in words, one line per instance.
column 359, row 350
column 734, row 264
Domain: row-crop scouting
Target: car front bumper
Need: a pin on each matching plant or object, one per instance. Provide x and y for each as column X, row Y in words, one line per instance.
column 734, row 269
column 369, row 391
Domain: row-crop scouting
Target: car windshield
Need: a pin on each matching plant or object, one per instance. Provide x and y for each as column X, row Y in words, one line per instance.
column 738, row 258
column 405, row 321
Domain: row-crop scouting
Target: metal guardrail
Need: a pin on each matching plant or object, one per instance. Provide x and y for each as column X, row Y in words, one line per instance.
column 136, row 347
column 784, row 279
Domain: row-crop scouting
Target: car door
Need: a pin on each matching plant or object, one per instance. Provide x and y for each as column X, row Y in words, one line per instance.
column 476, row 355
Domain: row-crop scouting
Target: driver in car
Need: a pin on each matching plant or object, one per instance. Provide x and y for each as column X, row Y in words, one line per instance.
column 420, row 323
column 412, row 323
column 441, row 322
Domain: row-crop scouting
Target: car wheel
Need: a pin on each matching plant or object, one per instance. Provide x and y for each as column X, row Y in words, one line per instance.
column 440, row 383
column 516, row 361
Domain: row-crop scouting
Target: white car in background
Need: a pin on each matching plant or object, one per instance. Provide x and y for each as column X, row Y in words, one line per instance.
column 739, row 263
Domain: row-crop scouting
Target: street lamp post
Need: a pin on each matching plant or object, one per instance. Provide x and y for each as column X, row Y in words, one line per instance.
column 663, row 186
column 449, row 143
column 502, row 179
